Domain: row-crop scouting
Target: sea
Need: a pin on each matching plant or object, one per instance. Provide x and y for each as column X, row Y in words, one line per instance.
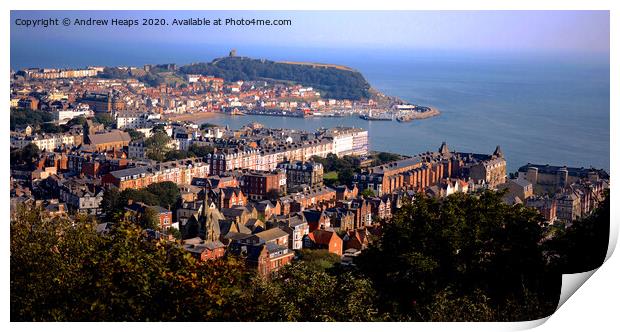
column 539, row 109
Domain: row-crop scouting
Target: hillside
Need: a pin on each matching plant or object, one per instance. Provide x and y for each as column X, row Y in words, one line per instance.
column 332, row 81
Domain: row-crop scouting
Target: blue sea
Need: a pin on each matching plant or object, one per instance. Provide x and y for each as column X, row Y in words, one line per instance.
column 539, row 109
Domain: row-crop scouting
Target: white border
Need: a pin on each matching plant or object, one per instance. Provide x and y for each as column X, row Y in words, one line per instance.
column 591, row 306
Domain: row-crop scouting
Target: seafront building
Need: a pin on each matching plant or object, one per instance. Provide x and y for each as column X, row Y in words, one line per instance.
column 430, row 168
column 268, row 158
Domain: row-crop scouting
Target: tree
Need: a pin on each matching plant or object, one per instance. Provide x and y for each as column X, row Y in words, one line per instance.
column 164, row 194
column 298, row 292
column 319, row 259
column 367, row 193
column 49, row 128
column 200, row 150
column 174, row 232
column 385, row 157
column 178, row 154
column 25, row 117
column 105, row 119
column 78, row 120
column 110, row 202
column 157, row 146
column 149, row 219
column 469, row 244
column 167, row 193
column 345, row 176
column 134, row 134
column 26, row 155
column 62, row 270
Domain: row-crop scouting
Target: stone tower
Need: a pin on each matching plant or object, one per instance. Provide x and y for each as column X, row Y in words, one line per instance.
column 212, row 225
column 443, row 149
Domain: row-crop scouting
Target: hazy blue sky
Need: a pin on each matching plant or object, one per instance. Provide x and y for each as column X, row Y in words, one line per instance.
column 513, row 32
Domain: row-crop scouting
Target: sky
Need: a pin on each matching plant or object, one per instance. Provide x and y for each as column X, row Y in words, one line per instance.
column 582, row 33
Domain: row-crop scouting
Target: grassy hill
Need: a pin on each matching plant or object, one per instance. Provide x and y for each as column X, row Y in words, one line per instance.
column 332, row 81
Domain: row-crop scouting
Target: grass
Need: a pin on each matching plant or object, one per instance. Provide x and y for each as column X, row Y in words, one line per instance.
column 333, row 175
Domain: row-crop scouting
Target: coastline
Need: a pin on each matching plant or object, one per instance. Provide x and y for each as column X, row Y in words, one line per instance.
column 191, row 116
column 432, row 112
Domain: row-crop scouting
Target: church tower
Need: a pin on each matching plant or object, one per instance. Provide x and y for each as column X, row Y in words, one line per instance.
column 212, row 226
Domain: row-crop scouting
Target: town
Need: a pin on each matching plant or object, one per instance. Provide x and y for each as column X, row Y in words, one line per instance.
column 84, row 144
column 185, row 92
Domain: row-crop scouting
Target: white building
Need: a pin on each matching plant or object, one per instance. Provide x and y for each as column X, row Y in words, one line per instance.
column 135, row 120
column 63, row 116
column 43, row 142
column 349, row 141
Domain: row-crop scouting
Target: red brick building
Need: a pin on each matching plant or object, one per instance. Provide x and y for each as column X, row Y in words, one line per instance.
column 204, row 250
column 262, row 185
column 323, row 239
column 164, row 215
column 266, row 258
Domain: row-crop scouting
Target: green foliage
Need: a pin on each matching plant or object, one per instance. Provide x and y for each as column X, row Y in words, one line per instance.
column 331, row 82
column 78, row 120
column 64, row 271
column 152, row 79
column 105, row 119
column 471, row 245
column 111, row 202
column 318, row 259
column 165, row 194
column 50, row 128
column 333, row 163
column 193, row 151
column 137, row 195
column 25, row 155
column 134, row 134
column 299, row 292
column 149, row 219
column 384, row 158
column 158, row 128
column 24, row 117
column 331, row 178
column 344, row 167
column 367, row 193
column 464, row 258
column 174, row 232
column 178, row 154
column 157, row 146
column 448, row 307
column 200, row 150
column 114, row 73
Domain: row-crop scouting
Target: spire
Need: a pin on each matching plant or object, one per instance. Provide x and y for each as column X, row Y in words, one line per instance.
column 205, row 201
column 443, row 149
column 498, row 152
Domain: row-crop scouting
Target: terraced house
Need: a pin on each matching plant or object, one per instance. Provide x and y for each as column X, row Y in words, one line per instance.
column 179, row 172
